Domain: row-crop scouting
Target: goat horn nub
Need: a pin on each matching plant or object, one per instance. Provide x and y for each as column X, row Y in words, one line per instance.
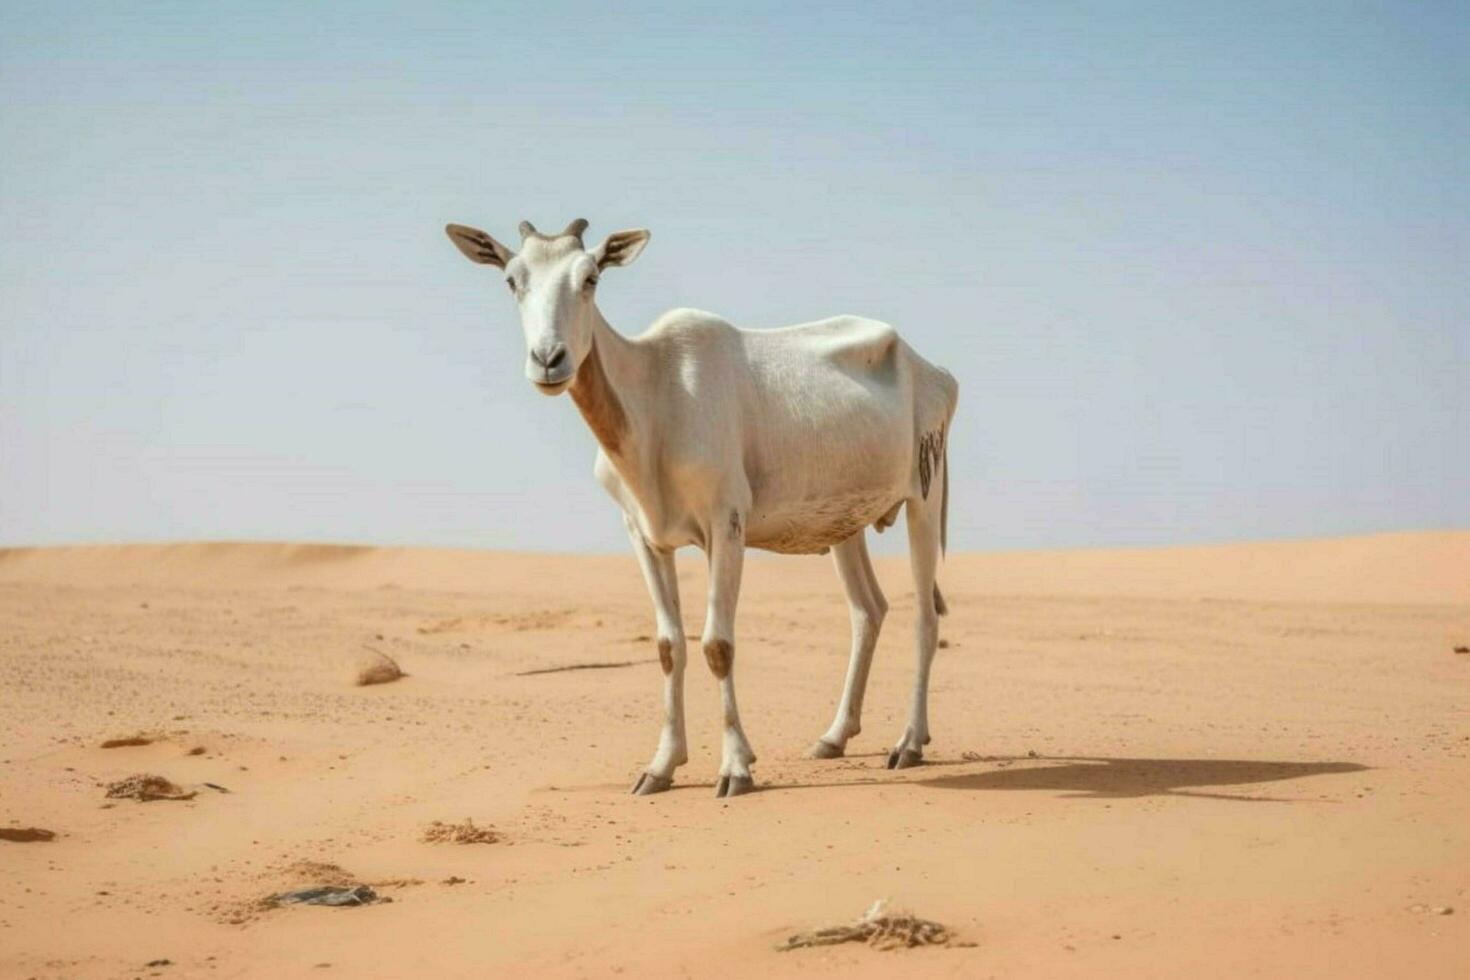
column 576, row 228
column 527, row 230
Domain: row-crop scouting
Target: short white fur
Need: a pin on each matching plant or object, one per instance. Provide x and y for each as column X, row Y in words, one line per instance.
column 792, row 440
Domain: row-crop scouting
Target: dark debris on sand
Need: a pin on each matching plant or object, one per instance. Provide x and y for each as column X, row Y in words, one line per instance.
column 146, row 787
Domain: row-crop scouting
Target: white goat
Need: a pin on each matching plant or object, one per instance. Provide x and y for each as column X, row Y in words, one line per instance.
column 792, row 440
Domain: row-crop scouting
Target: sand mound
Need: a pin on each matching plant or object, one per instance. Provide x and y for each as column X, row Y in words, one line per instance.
column 879, row 927
column 284, row 880
column 145, row 787
column 26, row 835
column 458, row 833
column 374, row 667
column 316, row 873
column 317, row 883
column 325, row 874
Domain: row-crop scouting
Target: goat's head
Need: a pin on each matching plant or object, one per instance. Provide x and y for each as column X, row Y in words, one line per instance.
column 554, row 282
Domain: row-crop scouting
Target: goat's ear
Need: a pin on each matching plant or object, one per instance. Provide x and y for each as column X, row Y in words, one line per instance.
column 621, row 248
column 478, row 246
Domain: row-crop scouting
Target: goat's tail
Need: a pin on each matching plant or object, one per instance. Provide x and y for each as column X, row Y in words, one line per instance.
column 940, row 607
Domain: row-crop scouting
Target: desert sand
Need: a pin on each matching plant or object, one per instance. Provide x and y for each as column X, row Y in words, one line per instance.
column 1239, row 760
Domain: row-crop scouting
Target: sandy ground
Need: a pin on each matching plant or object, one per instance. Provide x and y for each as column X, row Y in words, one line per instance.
column 1250, row 760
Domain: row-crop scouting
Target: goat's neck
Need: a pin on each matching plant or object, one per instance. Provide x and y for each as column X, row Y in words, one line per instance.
column 608, row 376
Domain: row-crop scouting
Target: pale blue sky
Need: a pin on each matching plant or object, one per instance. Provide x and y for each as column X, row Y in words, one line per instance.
column 1200, row 269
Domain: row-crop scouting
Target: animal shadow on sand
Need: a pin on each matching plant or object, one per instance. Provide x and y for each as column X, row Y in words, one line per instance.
column 1104, row 778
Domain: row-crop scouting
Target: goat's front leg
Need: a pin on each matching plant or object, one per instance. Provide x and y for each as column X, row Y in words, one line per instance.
column 726, row 559
column 663, row 588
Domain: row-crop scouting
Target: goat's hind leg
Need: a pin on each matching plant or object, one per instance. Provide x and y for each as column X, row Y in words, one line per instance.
column 867, row 607
column 924, row 520
column 663, row 588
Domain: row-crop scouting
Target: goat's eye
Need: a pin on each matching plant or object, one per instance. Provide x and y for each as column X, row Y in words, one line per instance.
column 591, row 281
column 512, row 284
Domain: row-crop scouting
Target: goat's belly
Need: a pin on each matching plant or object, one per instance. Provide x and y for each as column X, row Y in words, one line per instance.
column 809, row 527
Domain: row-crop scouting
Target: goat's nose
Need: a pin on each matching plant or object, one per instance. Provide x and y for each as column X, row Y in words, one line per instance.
column 550, row 357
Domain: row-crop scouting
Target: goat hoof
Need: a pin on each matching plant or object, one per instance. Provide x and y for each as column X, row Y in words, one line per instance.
column 733, row 786
column 905, row 758
column 825, row 750
column 648, row 784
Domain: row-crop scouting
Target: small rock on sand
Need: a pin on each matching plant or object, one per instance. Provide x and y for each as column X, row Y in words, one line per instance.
column 374, row 667
column 26, row 835
column 341, row 896
column 146, row 787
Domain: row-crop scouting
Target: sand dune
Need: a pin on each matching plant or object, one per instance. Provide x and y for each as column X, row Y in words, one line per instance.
column 1416, row 567
column 1230, row 760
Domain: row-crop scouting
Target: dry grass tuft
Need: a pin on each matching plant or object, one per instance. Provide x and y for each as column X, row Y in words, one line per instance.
column 458, row 833
column 146, row 787
column 879, row 927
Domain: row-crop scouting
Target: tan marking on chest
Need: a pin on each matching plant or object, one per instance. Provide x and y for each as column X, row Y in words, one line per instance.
column 599, row 403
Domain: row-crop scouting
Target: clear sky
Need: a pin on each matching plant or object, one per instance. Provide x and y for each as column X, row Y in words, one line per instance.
column 1201, row 269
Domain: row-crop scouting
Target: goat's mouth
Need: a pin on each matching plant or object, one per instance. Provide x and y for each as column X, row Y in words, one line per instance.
column 553, row 387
